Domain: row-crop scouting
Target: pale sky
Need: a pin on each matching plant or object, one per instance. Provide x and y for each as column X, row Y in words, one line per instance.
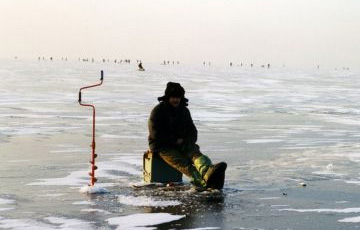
column 290, row 32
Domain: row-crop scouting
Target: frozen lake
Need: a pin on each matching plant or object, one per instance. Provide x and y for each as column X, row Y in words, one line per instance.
column 278, row 129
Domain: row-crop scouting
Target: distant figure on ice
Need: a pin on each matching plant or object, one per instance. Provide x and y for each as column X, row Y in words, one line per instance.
column 173, row 136
column 141, row 67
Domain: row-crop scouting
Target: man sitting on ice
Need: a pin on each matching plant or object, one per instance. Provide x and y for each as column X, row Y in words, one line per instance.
column 173, row 136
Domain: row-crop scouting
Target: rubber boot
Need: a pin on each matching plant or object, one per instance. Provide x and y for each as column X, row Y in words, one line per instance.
column 213, row 175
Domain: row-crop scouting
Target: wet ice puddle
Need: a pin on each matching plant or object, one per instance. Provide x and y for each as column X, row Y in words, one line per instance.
column 78, row 178
column 324, row 210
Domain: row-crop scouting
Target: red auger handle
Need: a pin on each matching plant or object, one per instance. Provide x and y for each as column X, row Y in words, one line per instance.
column 86, row 87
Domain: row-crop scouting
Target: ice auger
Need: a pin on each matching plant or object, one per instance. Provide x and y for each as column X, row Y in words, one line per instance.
column 93, row 155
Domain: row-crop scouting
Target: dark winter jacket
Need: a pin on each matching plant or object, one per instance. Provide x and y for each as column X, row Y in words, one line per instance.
column 167, row 124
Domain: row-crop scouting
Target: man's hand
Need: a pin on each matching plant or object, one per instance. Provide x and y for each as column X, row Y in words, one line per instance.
column 179, row 141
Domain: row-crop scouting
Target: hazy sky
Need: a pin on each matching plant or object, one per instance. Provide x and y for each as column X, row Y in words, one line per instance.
column 292, row 32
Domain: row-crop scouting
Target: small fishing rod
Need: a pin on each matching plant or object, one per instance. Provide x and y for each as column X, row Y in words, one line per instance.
column 93, row 155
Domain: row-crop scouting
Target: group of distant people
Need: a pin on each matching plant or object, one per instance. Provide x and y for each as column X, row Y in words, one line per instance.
column 50, row 58
column 165, row 62
column 169, row 62
column 126, row 61
column 251, row 65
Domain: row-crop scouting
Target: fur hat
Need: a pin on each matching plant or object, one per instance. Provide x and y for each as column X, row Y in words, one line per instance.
column 173, row 89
